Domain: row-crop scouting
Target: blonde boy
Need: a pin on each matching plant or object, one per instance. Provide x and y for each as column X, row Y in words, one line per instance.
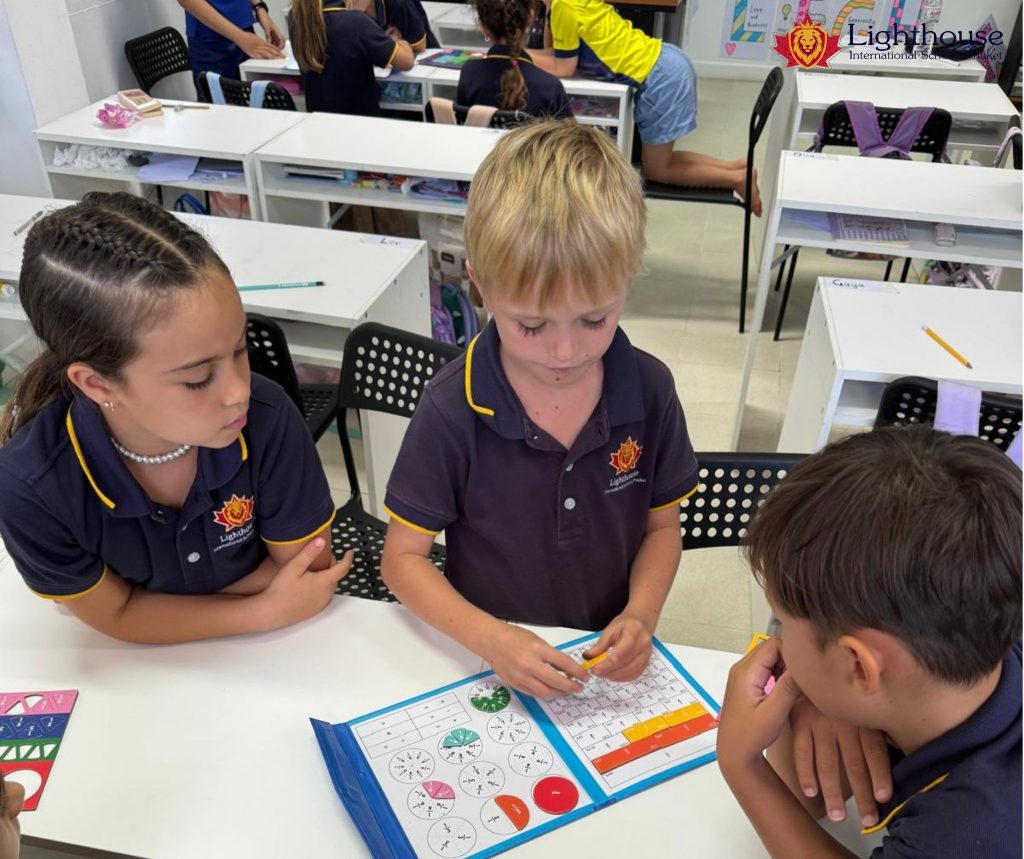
column 554, row 454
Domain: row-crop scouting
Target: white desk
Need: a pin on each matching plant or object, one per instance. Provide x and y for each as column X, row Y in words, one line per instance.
column 983, row 203
column 614, row 101
column 367, row 281
column 980, row 112
column 865, row 60
column 221, row 131
column 861, row 335
column 205, row 750
column 371, row 144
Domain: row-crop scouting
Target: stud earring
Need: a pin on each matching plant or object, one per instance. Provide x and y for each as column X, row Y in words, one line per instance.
column 109, row 405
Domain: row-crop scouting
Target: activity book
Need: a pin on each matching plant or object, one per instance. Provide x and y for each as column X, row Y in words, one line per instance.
column 475, row 768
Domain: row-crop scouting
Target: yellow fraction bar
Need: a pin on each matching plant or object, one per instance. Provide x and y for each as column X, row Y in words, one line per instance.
column 659, row 723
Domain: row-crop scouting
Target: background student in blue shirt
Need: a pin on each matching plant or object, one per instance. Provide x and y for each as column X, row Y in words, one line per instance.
column 146, row 479
column 893, row 561
column 337, row 49
column 221, row 36
column 507, row 78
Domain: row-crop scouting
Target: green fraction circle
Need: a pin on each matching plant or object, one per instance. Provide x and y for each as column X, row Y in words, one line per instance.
column 489, row 697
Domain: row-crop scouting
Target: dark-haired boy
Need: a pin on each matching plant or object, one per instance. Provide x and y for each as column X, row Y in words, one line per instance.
column 893, row 560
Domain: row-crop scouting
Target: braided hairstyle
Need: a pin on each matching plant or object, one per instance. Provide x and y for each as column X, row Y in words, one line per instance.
column 93, row 277
column 508, row 22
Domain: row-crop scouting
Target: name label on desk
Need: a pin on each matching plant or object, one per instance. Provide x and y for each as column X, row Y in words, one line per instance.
column 866, row 285
column 390, row 241
column 821, row 156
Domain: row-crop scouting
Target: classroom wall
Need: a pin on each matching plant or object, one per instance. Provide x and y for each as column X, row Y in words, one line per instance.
column 703, row 38
column 42, row 80
column 101, row 27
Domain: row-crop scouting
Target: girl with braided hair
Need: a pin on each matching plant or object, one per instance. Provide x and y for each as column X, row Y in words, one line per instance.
column 507, row 78
column 147, row 480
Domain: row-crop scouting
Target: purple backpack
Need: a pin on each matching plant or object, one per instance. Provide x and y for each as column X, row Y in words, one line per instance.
column 868, row 134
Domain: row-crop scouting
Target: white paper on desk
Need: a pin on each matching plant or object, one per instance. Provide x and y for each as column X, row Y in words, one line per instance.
column 291, row 65
column 389, row 241
column 164, row 167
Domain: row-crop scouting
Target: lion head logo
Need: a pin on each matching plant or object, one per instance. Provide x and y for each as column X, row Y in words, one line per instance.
column 807, row 45
column 624, row 459
column 235, row 513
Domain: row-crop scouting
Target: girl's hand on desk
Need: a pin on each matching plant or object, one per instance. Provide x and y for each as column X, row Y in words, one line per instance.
column 259, row 49
column 528, row 663
column 629, row 641
column 751, row 719
column 296, row 592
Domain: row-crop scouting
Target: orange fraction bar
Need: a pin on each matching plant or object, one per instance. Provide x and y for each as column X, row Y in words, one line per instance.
column 660, row 740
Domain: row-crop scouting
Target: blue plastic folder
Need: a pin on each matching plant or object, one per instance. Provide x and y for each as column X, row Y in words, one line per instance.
column 473, row 768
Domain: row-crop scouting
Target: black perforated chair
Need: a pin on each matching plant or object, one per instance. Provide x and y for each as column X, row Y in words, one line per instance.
column 724, row 196
column 237, row 93
column 911, row 400
column 732, row 485
column 157, row 55
column 269, row 356
column 837, row 130
column 385, row 370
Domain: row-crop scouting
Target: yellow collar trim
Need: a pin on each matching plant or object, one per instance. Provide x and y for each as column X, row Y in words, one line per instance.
column 243, row 446
column 871, row 830
column 522, row 59
column 481, row 410
column 81, row 462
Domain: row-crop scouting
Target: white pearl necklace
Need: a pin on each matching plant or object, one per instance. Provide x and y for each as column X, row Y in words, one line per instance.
column 142, row 459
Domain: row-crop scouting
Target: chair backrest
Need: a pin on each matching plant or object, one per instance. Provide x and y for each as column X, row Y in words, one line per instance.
column 156, row 55
column 269, row 355
column 912, row 399
column 239, row 93
column 732, row 486
column 385, row 369
column 763, row 107
column 837, row 129
column 445, row 111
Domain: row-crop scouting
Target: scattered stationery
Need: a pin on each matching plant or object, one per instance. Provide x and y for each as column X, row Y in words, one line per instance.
column 448, row 58
column 214, row 169
column 865, row 228
column 297, row 285
column 141, row 102
column 30, row 222
column 164, row 167
column 32, row 726
column 475, row 768
column 947, row 347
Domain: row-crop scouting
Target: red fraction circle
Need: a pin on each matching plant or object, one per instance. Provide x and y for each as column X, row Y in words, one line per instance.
column 555, row 794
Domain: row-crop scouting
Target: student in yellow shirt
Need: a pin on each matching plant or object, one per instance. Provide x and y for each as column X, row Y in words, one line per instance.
column 664, row 83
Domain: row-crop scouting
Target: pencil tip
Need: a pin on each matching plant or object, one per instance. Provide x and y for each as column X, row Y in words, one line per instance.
column 970, row 366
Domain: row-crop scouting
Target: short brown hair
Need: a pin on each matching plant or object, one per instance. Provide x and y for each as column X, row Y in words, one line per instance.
column 553, row 205
column 910, row 531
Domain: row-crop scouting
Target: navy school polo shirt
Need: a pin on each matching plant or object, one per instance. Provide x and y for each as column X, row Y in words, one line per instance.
column 70, row 509
column 403, row 15
column 480, row 83
column 355, row 44
column 238, row 12
column 959, row 796
column 536, row 533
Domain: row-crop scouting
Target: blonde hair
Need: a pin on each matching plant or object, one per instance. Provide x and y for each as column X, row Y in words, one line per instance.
column 555, row 207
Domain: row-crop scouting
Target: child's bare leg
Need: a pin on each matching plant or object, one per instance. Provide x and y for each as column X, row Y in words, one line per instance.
column 688, row 155
column 662, row 164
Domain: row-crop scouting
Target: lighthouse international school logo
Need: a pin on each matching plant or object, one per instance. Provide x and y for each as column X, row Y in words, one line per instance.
column 807, row 45
column 235, row 513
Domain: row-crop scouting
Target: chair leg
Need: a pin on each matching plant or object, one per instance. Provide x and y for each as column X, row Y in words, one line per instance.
column 888, row 270
column 906, row 270
column 785, row 296
column 746, row 265
column 782, row 269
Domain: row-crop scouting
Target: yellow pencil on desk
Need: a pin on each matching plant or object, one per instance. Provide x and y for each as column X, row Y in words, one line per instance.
column 947, row 347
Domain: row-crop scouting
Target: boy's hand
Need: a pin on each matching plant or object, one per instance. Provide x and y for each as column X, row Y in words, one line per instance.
column 528, row 663
column 296, row 592
column 259, row 49
column 751, row 720
column 824, row 747
column 628, row 642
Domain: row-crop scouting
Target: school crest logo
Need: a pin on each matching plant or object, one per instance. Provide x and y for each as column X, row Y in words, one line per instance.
column 235, row 513
column 624, row 459
column 807, row 45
